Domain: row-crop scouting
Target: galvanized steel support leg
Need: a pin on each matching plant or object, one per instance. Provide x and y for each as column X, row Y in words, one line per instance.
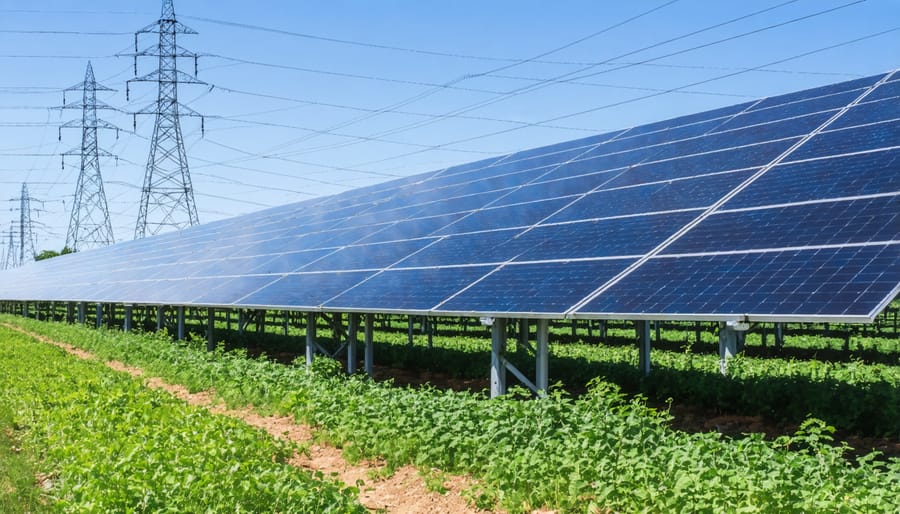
column 542, row 357
column 82, row 312
column 642, row 329
column 160, row 317
column 522, row 341
column 369, row 357
column 210, row 329
column 179, row 314
column 24, row 309
column 409, row 330
column 240, row 321
column 779, row 335
column 498, row 348
column 129, row 314
column 286, row 317
column 352, row 329
column 310, row 337
column 727, row 346
column 98, row 310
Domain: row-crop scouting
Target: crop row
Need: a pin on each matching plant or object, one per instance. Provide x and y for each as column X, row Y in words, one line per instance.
column 105, row 443
column 599, row 450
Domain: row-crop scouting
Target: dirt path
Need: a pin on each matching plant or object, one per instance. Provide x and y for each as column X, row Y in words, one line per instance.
column 404, row 492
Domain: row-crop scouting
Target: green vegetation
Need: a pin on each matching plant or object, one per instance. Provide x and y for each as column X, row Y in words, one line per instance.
column 600, row 450
column 19, row 491
column 108, row 444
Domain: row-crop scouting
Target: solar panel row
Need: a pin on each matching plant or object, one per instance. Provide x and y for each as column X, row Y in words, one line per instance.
column 782, row 208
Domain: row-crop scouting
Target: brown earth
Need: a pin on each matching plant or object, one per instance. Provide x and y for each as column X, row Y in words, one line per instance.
column 404, row 491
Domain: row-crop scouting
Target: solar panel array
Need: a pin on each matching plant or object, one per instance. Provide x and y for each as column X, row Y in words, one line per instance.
column 785, row 208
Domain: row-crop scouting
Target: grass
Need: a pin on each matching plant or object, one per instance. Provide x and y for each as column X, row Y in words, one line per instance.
column 18, row 487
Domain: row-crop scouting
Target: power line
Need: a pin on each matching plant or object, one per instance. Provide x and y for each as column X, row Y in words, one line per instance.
column 577, row 74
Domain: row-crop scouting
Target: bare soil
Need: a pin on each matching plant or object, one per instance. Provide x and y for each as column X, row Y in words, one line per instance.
column 402, row 492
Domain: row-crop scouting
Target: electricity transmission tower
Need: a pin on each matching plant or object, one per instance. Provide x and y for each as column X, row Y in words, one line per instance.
column 167, row 197
column 8, row 258
column 25, row 246
column 89, row 226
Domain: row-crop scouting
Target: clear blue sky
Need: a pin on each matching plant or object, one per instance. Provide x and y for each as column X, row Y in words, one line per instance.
column 292, row 116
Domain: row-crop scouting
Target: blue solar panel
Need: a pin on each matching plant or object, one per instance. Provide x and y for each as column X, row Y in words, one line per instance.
column 840, row 87
column 828, row 223
column 848, row 281
column 721, row 160
column 606, row 238
column 518, row 215
column 370, row 256
column 541, row 229
column 857, row 139
column 833, row 177
column 482, row 247
column 535, row 288
column 870, row 112
column 409, row 289
column 691, row 193
column 886, row 90
column 308, row 290
column 781, row 112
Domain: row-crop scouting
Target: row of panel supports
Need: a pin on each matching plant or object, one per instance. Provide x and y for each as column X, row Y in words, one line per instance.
column 730, row 339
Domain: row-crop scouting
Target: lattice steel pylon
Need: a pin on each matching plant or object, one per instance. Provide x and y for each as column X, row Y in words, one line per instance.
column 8, row 258
column 89, row 226
column 167, row 196
column 25, row 248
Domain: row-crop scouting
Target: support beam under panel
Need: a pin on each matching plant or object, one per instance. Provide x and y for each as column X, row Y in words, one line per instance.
column 160, row 317
column 642, row 329
column 129, row 318
column 727, row 346
column 70, row 312
column 522, row 341
column 179, row 314
column 210, row 329
column 779, row 335
column 82, row 312
column 98, row 310
column 409, row 330
column 542, row 357
column 369, row 357
column 352, row 330
column 498, row 348
column 310, row 337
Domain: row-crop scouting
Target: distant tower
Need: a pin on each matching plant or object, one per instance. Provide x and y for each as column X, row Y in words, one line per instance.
column 89, row 226
column 167, row 197
column 9, row 257
column 26, row 229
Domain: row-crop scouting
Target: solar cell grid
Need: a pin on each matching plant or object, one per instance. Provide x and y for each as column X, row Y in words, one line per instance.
column 830, row 177
column 444, row 238
column 855, row 139
column 822, row 223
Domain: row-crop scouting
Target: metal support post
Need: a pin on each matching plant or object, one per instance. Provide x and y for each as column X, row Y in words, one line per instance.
column 240, row 321
column 160, row 317
column 498, row 348
column 369, row 357
column 210, row 329
column 129, row 313
column 70, row 312
column 642, row 329
column 310, row 337
column 429, row 329
column 409, row 330
column 522, row 341
column 542, row 357
column 98, row 309
column 779, row 335
column 24, row 309
column 352, row 329
column 727, row 346
column 82, row 312
column 656, row 328
column 179, row 312
column 286, row 317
